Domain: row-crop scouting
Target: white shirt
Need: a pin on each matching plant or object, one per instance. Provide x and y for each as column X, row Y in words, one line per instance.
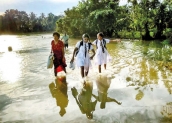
column 82, row 47
column 99, row 46
column 65, row 39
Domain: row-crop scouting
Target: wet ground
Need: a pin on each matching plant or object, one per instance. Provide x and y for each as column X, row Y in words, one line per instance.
column 136, row 78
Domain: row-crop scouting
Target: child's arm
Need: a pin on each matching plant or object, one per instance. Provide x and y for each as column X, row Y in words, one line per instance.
column 113, row 100
column 93, row 54
column 75, row 94
column 74, row 51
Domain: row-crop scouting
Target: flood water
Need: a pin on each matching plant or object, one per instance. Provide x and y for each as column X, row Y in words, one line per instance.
column 135, row 77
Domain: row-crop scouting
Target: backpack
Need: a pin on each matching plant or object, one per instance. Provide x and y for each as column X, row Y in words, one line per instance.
column 104, row 42
column 81, row 44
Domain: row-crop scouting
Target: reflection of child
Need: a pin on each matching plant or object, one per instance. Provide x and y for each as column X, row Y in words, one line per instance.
column 83, row 59
column 84, row 101
column 102, row 56
column 103, row 84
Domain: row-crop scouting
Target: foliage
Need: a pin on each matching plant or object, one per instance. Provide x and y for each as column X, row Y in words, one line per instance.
column 148, row 17
column 20, row 21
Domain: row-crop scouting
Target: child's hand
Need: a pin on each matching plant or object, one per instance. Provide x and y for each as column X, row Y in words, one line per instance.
column 71, row 61
column 91, row 58
column 64, row 59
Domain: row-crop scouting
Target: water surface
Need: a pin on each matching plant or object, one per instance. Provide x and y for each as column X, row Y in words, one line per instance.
column 138, row 80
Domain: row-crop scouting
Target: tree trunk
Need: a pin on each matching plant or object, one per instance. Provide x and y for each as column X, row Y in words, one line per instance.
column 159, row 33
column 109, row 32
column 147, row 33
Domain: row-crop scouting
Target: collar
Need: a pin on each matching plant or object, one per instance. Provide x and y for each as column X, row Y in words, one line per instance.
column 85, row 43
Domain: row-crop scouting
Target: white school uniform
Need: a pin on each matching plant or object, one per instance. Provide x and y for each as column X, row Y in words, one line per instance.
column 100, row 57
column 81, row 60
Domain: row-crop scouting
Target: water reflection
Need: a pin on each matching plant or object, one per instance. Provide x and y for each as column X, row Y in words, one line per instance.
column 167, row 112
column 142, row 67
column 103, row 83
column 59, row 92
column 83, row 100
column 10, row 67
column 9, row 41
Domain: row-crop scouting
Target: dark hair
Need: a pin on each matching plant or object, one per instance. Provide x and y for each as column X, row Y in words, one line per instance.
column 56, row 33
column 85, row 36
column 62, row 112
column 101, row 34
column 89, row 115
column 102, row 105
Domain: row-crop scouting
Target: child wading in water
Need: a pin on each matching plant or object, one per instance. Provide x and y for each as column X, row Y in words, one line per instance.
column 102, row 56
column 81, row 51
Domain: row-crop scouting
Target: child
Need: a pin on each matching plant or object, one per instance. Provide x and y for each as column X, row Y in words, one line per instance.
column 101, row 52
column 65, row 38
column 82, row 54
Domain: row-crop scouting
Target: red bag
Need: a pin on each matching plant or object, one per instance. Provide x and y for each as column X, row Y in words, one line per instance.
column 59, row 68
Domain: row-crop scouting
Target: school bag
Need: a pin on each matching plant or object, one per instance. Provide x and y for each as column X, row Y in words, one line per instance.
column 104, row 42
column 81, row 44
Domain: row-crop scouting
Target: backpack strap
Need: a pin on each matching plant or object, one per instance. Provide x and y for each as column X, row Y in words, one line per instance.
column 89, row 45
column 104, row 42
column 81, row 44
column 96, row 43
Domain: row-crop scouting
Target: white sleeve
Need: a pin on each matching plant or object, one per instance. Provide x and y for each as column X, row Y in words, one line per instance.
column 77, row 44
column 107, row 40
column 94, row 42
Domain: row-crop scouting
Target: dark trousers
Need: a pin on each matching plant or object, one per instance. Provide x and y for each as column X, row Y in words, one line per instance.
column 58, row 62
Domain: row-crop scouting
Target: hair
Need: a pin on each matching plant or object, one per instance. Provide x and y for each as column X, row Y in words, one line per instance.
column 85, row 36
column 62, row 112
column 101, row 34
column 57, row 34
column 89, row 115
column 102, row 105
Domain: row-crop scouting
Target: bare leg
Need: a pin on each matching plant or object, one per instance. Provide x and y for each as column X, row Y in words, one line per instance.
column 82, row 71
column 99, row 68
column 86, row 73
column 105, row 66
column 65, row 70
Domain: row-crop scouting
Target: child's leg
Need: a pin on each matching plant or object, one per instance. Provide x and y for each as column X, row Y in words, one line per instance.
column 64, row 69
column 86, row 72
column 82, row 71
column 105, row 66
column 99, row 68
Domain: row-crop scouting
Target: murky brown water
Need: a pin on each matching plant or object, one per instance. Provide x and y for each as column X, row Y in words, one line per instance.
column 136, row 77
